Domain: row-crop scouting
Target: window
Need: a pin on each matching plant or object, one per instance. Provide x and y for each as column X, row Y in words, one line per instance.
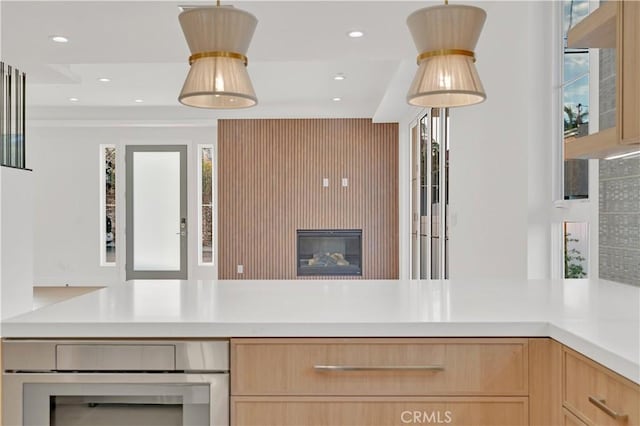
column 107, row 205
column 12, row 116
column 574, row 232
column 575, row 100
column 576, row 247
column 430, row 233
column 205, row 210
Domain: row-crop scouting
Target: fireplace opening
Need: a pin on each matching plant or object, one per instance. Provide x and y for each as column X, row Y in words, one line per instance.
column 329, row 252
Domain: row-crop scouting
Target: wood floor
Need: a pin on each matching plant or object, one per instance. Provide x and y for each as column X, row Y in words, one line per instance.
column 43, row 296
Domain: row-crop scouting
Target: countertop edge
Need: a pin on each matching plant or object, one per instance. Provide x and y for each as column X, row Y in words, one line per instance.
column 60, row 330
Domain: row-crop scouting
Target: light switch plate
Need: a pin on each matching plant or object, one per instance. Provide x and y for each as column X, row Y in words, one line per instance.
column 345, row 182
column 241, row 269
column 325, row 182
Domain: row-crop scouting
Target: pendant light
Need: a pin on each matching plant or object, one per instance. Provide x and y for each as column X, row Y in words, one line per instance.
column 445, row 37
column 218, row 38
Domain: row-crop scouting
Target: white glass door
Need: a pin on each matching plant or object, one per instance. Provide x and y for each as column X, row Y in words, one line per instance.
column 156, row 228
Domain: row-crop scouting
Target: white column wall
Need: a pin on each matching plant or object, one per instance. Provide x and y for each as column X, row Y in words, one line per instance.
column 500, row 190
column 16, row 241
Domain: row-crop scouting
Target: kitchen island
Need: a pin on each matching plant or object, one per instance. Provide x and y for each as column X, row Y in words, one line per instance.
column 511, row 352
column 597, row 318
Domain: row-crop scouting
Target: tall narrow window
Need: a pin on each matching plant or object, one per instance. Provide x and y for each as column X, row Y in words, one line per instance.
column 576, row 247
column 575, row 99
column 430, row 196
column 108, row 205
column 205, row 191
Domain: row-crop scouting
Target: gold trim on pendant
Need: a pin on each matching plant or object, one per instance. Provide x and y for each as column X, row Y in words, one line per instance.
column 218, row 54
column 445, row 52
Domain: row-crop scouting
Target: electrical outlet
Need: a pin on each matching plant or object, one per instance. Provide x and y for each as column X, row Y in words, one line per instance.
column 325, row 182
column 345, row 182
column 241, row 269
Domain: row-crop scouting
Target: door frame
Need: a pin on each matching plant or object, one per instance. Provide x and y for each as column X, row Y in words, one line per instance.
column 130, row 274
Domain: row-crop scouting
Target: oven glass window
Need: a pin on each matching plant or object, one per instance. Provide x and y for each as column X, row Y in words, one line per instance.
column 78, row 404
column 108, row 411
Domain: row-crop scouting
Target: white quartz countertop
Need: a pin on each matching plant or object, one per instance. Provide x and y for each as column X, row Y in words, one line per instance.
column 598, row 318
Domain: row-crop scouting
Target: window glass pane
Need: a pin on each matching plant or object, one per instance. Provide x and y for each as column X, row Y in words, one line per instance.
column 207, row 235
column 576, row 108
column 435, row 195
column 110, row 204
column 575, row 99
column 207, row 174
column 156, row 211
column 576, row 249
column 573, row 12
column 206, row 197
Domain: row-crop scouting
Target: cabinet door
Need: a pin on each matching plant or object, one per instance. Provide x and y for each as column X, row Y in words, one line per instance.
column 598, row 396
column 378, row 411
column 347, row 367
column 628, row 66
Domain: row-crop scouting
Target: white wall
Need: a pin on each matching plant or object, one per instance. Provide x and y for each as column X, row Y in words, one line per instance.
column 500, row 150
column 67, row 222
column 16, row 236
column 541, row 132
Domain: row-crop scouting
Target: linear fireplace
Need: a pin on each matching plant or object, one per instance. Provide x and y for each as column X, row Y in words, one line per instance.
column 329, row 252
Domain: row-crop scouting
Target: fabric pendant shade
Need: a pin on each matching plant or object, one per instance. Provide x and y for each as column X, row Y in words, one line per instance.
column 445, row 37
column 218, row 38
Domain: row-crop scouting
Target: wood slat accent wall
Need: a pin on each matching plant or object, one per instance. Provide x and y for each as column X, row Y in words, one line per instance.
column 270, row 185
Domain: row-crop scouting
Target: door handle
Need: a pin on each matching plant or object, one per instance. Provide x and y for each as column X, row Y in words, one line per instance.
column 602, row 404
column 183, row 227
column 326, row 368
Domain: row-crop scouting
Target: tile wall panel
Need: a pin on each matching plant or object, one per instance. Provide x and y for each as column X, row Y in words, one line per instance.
column 619, row 220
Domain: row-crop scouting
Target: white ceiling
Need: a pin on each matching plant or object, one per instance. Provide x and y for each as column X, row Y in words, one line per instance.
column 297, row 49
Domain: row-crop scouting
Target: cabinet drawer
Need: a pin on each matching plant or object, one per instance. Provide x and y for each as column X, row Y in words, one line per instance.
column 571, row 420
column 596, row 395
column 378, row 411
column 379, row 367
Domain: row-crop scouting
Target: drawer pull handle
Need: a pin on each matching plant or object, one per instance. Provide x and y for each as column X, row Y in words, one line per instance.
column 601, row 404
column 329, row 368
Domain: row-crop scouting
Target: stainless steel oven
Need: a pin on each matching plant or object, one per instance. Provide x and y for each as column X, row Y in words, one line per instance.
column 107, row 383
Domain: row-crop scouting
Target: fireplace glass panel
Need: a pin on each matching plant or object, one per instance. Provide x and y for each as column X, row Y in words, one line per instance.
column 329, row 252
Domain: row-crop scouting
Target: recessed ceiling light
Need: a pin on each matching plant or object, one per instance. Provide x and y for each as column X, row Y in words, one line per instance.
column 339, row 77
column 336, row 99
column 73, row 99
column 104, row 80
column 139, row 101
column 355, row 34
column 59, row 39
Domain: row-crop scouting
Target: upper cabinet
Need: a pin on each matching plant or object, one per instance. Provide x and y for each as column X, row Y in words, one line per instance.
column 613, row 25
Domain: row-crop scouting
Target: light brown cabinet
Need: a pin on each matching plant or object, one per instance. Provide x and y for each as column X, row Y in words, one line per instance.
column 613, row 24
column 571, row 420
column 596, row 395
column 399, row 381
column 369, row 382
column 364, row 366
column 379, row 411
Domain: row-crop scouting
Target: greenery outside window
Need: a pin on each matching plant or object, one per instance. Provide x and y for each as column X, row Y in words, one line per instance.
column 205, row 210
column 108, row 205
